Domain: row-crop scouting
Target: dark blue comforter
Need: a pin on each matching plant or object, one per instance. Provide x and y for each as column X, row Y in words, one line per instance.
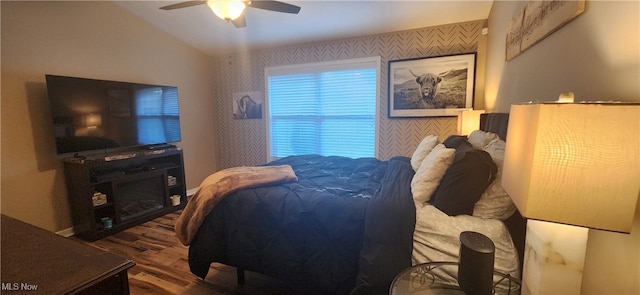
column 346, row 225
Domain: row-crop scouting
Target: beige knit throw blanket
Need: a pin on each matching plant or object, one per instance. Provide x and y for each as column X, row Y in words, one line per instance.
column 218, row 185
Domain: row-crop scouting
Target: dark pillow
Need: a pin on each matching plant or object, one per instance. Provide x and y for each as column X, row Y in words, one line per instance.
column 465, row 180
column 455, row 141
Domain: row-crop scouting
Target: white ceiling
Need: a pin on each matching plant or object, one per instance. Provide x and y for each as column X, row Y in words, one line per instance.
column 317, row 21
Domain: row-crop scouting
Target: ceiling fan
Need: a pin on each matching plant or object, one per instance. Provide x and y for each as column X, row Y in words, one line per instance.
column 233, row 10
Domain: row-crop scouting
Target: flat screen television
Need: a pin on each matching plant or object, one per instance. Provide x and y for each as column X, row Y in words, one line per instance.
column 97, row 116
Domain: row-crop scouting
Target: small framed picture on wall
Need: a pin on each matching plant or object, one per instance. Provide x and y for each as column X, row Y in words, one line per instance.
column 247, row 105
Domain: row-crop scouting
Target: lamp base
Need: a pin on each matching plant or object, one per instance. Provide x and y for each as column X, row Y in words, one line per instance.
column 554, row 258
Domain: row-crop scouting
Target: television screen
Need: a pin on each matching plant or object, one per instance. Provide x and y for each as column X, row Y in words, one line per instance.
column 96, row 115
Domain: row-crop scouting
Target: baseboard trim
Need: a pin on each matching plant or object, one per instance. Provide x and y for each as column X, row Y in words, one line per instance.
column 67, row 232
column 192, row 191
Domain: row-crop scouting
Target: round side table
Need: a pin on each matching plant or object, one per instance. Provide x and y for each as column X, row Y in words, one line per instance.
column 440, row 278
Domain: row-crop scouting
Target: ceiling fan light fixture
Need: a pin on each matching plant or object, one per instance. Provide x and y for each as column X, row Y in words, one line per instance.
column 227, row 9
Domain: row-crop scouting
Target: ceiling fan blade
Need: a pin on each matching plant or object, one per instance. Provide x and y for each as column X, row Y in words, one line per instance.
column 275, row 6
column 239, row 22
column 182, row 5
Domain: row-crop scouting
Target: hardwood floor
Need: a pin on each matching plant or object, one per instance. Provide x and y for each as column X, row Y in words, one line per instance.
column 162, row 267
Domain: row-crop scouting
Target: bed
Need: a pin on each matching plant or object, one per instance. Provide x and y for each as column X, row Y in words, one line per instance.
column 348, row 226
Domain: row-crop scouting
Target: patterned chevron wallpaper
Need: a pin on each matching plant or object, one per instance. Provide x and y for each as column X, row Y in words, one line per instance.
column 243, row 142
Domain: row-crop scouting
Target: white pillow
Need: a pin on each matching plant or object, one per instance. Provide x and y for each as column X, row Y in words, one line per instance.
column 495, row 202
column 431, row 171
column 437, row 238
column 480, row 139
column 424, row 148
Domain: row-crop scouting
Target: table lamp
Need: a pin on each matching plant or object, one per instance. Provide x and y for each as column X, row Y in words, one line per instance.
column 569, row 167
column 468, row 121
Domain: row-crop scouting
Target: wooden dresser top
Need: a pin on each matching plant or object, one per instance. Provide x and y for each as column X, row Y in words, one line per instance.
column 35, row 258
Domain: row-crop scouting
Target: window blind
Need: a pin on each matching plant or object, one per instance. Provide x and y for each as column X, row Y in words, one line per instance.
column 325, row 109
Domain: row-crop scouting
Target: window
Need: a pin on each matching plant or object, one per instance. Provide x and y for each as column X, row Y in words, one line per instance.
column 323, row 108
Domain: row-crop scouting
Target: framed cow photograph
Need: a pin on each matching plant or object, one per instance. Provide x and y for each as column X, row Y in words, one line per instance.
column 431, row 86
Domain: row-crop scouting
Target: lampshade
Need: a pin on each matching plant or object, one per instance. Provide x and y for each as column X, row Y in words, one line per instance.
column 575, row 164
column 469, row 121
column 227, row 9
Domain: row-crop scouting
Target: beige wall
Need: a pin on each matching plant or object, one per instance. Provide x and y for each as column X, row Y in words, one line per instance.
column 243, row 142
column 95, row 40
column 596, row 56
